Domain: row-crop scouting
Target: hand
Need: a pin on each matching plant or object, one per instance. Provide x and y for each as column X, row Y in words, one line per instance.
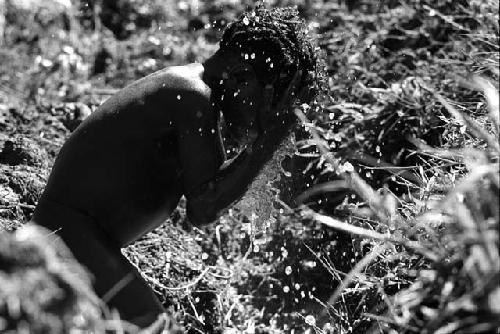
column 289, row 95
column 268, row 116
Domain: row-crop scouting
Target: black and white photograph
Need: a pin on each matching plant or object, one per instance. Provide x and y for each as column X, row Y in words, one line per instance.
column 249, row 167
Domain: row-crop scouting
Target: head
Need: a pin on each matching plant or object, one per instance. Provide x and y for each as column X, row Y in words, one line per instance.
column 259, row 55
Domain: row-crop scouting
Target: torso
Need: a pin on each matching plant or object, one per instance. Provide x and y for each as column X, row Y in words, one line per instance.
column 121, row 164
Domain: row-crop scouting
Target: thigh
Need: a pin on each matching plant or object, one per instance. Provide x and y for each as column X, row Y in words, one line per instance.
column 115, row 279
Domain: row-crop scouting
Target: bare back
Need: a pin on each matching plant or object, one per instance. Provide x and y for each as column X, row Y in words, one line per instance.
column 124, row 166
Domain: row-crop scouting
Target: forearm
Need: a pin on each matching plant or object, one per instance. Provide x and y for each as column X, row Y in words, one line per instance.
column 232, row 180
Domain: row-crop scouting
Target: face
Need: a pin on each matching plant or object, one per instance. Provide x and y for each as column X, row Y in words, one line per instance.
column 237, row 93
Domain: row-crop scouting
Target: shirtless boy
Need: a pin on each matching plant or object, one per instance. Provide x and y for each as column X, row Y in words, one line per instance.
column 124, row 169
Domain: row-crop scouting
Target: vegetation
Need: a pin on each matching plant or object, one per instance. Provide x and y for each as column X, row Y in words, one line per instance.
column 381, row 212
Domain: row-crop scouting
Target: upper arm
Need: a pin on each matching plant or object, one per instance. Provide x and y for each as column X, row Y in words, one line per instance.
column 200, row 149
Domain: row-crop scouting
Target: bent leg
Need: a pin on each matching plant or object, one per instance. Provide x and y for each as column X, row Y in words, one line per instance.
column 116, row 280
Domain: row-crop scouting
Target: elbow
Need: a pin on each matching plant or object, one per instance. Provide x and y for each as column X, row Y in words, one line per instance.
column 200, row 213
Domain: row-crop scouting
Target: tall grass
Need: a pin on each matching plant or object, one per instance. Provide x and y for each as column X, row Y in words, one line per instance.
column 443, row 229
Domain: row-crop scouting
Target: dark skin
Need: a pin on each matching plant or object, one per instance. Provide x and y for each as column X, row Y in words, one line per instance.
column 124, row 169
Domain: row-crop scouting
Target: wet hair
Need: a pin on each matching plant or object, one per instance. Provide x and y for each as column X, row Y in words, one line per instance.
column 275, row 42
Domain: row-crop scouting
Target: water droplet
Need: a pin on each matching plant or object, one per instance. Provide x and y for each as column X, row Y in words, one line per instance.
column 178, row 97
column 271, row 65
column 246, row 21
column 288, row 270
column 310, row 320
column 286, row 289
column 348, row 167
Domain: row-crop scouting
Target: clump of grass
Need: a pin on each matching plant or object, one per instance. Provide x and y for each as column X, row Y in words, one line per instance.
column 458, row 291
column 42, row 288
column 435, row 239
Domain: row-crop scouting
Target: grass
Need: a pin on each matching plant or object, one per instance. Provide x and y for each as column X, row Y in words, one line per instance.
column 396, row 171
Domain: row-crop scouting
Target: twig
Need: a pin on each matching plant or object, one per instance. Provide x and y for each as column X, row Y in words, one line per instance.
column 118, row 287
column 445, row 18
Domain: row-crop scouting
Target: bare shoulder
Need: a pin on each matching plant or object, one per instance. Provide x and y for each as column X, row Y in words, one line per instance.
column 177, row 89
column 187, row 78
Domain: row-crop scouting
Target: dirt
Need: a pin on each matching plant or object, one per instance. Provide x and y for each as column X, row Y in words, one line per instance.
column 29, row 141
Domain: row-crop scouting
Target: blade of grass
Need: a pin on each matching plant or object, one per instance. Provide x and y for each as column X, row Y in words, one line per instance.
column 490, row 93
column 320, row 189
column 370, row 160
column 362, row 232
column 365, row 261
column 374, row 200
column 473, row 126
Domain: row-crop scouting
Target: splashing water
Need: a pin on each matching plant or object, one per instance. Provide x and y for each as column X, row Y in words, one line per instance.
column 258, row 202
